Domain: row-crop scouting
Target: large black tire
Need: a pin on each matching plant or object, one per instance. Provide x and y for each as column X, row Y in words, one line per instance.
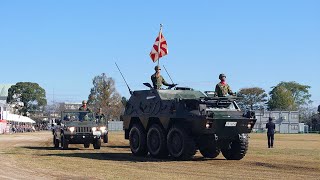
column 236, row 149
column 97, row 144
column 181, row 145
column 86, row 145
column 56, row 142
column 138, row 140
column 64, row 142
column 208, row 146
column 157, row 142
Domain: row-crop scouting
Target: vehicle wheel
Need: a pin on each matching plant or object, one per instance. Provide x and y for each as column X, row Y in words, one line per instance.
column 138, row 138
column 56, row 142
column 64, row 142
column 157, row 142
column 181, row 145
column 97, row 144
column 237, row 149
column 105, row 138
column 86, row 145
column 208, row 147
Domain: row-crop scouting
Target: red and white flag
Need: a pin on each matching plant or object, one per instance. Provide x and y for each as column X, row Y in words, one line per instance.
column 159, row 48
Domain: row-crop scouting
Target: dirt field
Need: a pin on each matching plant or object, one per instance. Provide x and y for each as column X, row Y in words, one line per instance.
column 31, row 156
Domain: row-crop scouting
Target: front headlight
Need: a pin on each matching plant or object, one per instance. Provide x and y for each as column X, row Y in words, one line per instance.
column 102, row 128
column 249, row 126
column 94, row 129
column 71, row 129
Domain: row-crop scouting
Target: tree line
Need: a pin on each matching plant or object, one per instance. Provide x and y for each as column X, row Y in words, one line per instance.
column 28, row 98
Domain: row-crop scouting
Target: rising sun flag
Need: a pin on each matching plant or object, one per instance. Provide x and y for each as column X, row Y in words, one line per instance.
column 159, row 48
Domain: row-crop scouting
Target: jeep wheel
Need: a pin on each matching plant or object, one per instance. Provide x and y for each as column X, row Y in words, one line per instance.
column 86, row 145
column 157, row 142
column 97, row 144
column 236, row 149
column 55, row 141
column 64, row 142
column 208, row 147
column 137, row 138
column 181, row 145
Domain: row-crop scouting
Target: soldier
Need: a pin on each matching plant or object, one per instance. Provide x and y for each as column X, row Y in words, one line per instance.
column 271, row 128
column 222, row 88
column 100, row 116
column 84, row 106
column 158, row 80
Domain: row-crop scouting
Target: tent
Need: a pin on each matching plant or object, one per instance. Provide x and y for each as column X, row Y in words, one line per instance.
column 16, row 118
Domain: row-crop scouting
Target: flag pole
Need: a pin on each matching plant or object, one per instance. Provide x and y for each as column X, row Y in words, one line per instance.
column 159, row 43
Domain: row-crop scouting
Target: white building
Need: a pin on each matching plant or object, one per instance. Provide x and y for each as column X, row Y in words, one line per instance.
column 286, row 121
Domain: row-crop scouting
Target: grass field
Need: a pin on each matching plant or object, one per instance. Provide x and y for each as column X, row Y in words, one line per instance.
column 31, row 156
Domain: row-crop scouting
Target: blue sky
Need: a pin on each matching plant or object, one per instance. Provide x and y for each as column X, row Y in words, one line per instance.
column 62, row 45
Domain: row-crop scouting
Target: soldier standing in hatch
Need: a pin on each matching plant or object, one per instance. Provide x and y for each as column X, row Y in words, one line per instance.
column 84, row 106
column 222, row 88
column 271, row 128
column 158, row 80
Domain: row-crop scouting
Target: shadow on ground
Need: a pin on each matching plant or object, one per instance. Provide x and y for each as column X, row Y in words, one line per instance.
column 124, row 157
column 118, row 147
column 46, row 148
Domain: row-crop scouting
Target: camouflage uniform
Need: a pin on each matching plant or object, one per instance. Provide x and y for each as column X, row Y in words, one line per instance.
column 223, row 89
column 84, row 109
column 158, row 81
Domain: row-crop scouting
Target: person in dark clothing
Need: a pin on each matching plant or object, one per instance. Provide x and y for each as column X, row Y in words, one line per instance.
column 271, row 129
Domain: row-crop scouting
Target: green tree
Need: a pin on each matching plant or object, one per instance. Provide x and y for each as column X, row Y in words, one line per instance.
column 27, row 97
column 281, row 99
column 300, row 93
column 104, row 95
column 252, row 98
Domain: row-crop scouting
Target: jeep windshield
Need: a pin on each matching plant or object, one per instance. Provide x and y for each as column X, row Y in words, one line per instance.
column 78, row 116
column 180, row 94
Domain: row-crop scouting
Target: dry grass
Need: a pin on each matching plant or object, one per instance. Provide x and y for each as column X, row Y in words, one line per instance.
column 31, row 156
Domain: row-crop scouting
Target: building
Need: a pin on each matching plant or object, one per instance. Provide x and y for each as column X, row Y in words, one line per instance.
column 286, row 121
column 70, row 106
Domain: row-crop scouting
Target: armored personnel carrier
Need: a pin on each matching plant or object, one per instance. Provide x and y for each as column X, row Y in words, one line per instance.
column 180, row 121
column 79, row 127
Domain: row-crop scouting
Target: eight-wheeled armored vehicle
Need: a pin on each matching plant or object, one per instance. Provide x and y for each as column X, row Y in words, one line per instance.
column 180, row 121
column 79, row 127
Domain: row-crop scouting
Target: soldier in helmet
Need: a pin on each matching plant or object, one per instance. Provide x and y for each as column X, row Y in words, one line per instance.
column 222, row 88
column 84, row 106
column 158, row 80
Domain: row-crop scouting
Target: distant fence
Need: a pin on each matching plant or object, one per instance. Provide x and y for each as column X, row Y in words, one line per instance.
column 115, row 125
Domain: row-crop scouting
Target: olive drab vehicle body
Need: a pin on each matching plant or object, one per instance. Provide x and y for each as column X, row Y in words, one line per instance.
column 79, row 127
column 178, row 122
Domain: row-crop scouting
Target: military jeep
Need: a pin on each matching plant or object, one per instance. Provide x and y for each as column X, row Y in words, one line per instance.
column 78, row 127
column 179, row 122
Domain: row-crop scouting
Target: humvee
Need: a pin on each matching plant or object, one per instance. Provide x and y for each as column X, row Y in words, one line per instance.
column 180, row 121
column 79, row 127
